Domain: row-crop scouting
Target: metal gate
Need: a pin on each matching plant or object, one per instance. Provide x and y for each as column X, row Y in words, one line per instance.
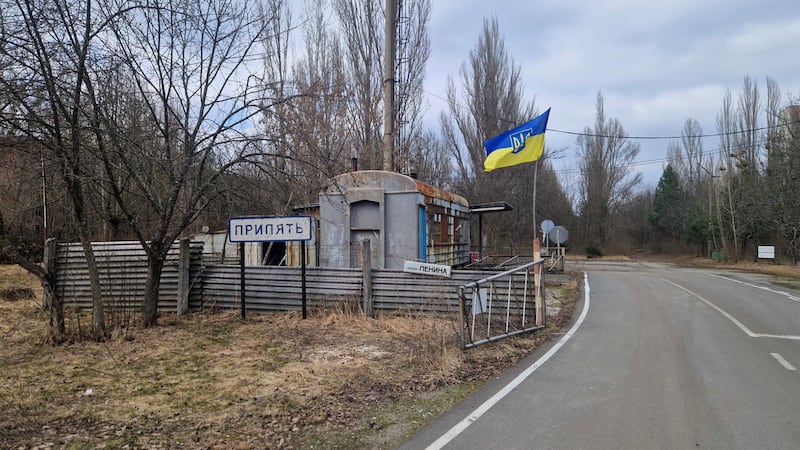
column 502, row 305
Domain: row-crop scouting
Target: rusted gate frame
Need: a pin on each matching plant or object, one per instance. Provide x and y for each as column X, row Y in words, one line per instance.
column 467, row 333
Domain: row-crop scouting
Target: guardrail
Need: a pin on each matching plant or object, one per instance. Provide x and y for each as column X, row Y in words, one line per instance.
column 502, row 305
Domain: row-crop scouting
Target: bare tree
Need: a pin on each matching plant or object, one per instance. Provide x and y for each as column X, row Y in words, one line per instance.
column 361, row 24
column 691, row 165
column 277, row 18
column 634, row 220
column 747, row 139
column 751, row 193
column 20, row 190
column 21, row 220
column 338, row 68
column 490, row 101
column 726, row 129
column 606, row 157
column 188, row 64
column 744, row 209
column 317, row 127
column 414, row 49
column 430, row 159
column 783, row 169
column 49, row 57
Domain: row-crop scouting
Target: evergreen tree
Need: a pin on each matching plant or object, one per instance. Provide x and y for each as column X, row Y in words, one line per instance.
column 668, row 205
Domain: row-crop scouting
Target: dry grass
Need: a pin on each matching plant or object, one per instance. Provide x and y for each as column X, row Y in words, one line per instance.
column 765, row 267
column 336, row 380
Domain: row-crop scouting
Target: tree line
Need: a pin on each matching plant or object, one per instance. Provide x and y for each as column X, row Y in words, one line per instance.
column 744, row 192
column 149, row 119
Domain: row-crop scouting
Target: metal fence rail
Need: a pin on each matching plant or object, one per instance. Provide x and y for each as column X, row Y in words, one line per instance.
column 502, row 305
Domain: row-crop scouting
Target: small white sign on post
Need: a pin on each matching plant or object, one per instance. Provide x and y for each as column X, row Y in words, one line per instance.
column 479, row 297
column 766, row 252
column 426, row 268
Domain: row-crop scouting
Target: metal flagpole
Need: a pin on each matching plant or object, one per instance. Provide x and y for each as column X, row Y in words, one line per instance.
column 535, row 226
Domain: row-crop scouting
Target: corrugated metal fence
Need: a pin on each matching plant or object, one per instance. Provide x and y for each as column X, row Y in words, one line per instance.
column 123, row 269
column 272, row 288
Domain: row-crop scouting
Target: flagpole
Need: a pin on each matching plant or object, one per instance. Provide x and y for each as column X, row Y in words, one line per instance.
column 535, row 227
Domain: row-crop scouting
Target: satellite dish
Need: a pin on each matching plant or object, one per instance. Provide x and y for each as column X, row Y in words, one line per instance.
column 558, row 234
column 547, row 225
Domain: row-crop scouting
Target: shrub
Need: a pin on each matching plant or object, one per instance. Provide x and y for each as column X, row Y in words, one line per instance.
column 593, row 251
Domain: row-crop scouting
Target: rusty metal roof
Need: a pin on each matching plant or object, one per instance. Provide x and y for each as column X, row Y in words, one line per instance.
column 365, row 178
column 432, row 191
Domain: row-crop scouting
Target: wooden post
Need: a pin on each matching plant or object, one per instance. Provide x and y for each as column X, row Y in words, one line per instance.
column 184, row 262
column 50, row 246
column 537, row 281
column 50, row 298
column 366, row 267
column 462, row 311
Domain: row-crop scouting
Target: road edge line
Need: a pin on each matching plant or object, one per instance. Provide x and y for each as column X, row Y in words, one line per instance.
column 719, row 310
column 499, row 395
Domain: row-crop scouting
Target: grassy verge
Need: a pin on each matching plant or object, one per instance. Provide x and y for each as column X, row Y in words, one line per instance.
column 336, row 380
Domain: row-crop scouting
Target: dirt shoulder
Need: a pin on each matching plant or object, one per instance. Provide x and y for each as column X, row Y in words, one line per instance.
column 765, row 267
column 335, row 380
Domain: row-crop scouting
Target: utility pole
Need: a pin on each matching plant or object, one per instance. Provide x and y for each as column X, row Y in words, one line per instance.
column 388, row 86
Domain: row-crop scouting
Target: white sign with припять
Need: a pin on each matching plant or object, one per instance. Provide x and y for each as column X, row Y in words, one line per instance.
column 269, row 228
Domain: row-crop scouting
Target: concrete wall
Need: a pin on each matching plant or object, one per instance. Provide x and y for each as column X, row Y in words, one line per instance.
column 386, row 208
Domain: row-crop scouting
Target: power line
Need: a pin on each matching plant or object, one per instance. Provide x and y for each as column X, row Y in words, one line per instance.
column 688, row 136
column 648, row 162
column 654, row 138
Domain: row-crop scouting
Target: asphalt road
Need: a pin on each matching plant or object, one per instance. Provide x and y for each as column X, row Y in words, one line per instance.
column 658, row 357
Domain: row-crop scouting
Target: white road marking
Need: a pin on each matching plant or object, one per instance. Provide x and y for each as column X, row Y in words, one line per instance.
column 720, row 310
column 779, row 336
column 786, row 365
column 731, row 318
column 763, row 288
column 481, row 410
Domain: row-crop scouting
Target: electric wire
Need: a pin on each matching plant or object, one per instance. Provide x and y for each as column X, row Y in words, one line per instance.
column 633, row 137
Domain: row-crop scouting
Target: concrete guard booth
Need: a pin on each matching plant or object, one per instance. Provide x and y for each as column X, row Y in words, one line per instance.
column 403, row 218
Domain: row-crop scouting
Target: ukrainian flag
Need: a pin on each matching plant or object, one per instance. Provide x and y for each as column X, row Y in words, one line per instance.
column 522, row 144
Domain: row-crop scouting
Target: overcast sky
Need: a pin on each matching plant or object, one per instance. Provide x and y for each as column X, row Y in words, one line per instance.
column 656, row 63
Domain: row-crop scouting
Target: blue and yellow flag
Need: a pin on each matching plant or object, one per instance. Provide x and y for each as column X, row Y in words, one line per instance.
column 522, row 144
